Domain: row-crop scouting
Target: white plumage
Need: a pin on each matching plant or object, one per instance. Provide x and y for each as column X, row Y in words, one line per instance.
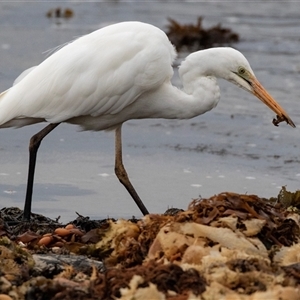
column 98, row 74
column 117, row 73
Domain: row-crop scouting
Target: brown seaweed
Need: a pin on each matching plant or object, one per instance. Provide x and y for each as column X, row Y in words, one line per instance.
column 194, row 37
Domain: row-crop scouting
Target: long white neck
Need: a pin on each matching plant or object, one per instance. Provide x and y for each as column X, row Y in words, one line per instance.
column 199, row 94
column 196, row 98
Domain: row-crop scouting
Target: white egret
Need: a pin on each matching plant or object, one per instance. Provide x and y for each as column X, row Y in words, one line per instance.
column 118, row 73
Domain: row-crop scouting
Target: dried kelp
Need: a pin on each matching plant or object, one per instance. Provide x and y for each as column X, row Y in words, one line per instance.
column 229, row 246
column 194, row 37
column 279, row 226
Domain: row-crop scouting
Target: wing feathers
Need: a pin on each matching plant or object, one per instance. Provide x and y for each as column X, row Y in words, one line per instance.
column 98, row 74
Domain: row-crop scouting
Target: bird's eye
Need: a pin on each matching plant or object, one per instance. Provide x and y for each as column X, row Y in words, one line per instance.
column 242, row 70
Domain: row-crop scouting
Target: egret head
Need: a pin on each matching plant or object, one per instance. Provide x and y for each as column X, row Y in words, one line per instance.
column 237, row 70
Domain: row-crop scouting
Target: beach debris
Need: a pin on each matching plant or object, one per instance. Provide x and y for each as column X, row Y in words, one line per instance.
column 228, row 246
column 289, row 200
column 59, row 13
column 193, row 37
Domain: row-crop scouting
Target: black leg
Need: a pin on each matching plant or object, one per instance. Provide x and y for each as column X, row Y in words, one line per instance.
column 34, row 145
column 122, row 174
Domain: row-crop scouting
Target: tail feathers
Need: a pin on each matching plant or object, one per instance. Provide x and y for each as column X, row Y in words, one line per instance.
column 17, row 123
column 3, row 93
column 9, row 119
column 23, row 74
column 3, row 111
column 18, row 79
column 8, row 111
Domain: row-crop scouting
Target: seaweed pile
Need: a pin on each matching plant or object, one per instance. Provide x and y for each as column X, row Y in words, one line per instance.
column 193, row 37
column 60, row 13
column 229, row 246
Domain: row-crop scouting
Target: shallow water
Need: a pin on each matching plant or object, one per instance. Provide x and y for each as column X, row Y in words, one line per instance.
column 235, row 147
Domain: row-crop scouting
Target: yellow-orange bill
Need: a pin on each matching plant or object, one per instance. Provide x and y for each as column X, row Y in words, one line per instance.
column 260, row 92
